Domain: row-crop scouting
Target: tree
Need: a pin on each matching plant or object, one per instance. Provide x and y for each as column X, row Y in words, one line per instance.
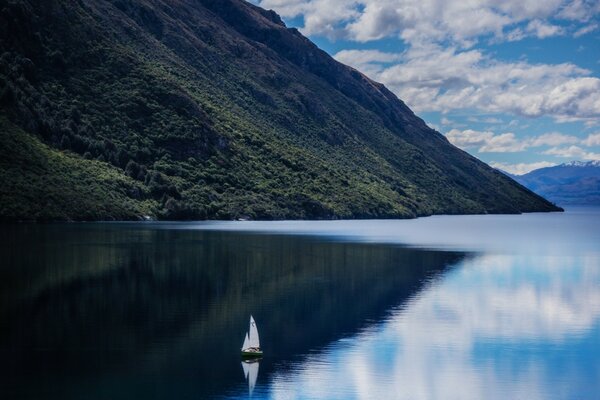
column 65, row 142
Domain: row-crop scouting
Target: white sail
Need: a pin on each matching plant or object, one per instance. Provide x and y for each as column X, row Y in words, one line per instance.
column 253, row 340
column 245, row 345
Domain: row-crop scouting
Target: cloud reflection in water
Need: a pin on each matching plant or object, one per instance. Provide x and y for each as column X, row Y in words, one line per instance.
column 497, row 326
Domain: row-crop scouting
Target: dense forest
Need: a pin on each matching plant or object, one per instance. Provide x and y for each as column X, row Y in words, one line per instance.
column 211, row 109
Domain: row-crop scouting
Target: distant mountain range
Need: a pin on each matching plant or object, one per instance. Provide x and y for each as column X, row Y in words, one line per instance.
column 211, row 109
column 573, row 183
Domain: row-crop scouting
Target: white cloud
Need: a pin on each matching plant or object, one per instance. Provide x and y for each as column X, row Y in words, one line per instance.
column 592, row 140
column 468, row 139
column 490, row 142
column 367, row 61
column 492, row 120
column 432, row 78
column 514, row 35
column 442, row 71
column 487, row 120
column 322, row 17
column 579, row 10
column 572, row 152
column 434, row 126
column 591, row 122
column 575, row 97
column 585, row 30
column 486, row 142
column 521, row 168
column 428, row 21
column 503, row 143
column 542, row 30
column 366, row 56
column 552, row 139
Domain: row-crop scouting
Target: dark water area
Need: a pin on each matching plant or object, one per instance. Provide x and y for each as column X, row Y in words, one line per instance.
column 115, row 311
column 457, row 307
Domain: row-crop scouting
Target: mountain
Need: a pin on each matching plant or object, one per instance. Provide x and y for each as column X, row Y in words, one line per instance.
column 573, row 183
column 193, row 109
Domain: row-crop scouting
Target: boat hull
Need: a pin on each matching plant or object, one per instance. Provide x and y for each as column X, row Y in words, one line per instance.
column 252, row 354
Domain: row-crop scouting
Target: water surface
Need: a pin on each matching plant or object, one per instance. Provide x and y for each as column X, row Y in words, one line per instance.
column 456, row 307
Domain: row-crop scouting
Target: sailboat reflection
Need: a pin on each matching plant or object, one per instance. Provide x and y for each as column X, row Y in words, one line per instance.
column 250, row 368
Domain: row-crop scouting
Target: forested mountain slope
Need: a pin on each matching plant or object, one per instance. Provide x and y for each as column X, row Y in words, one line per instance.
column 213, row 109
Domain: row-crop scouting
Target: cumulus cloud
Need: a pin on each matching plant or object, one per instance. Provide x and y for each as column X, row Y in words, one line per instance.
column 542, row 30
column 321, row 17
column 441, row 70
column 367, row 61
column 468, row 139
column 486, row 142
column 579, row 10
column 366, row 56
column 557, row 145
column 552, row 139
column 486, row 120
column 592, row 140
column 490, row 142
column 432, row 78
column 521, row 168
column 417, row 21
column 573, row 152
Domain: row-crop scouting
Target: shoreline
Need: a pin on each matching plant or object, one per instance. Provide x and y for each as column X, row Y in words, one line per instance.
column 183, row 221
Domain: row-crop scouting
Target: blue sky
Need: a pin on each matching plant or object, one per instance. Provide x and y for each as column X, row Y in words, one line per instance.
column 515, row 83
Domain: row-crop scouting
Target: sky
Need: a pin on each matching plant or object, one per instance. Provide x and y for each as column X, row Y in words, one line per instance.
column 516, row 83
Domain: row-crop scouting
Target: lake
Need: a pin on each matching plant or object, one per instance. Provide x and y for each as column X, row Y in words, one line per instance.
column 445, row 307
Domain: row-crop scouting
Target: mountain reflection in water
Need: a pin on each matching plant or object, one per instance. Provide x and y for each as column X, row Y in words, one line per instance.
column 509, row 310
column 134, row 310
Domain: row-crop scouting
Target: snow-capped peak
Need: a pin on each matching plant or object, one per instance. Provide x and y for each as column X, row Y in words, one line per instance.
column 595, row 163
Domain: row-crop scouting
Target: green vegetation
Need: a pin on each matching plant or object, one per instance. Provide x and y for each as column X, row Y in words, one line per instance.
column 40, row 183
column 216, row 110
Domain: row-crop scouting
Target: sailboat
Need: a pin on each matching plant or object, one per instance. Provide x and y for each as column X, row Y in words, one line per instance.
column 251, row 346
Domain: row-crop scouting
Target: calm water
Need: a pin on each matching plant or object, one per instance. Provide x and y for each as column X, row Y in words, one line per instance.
column 457, row 307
